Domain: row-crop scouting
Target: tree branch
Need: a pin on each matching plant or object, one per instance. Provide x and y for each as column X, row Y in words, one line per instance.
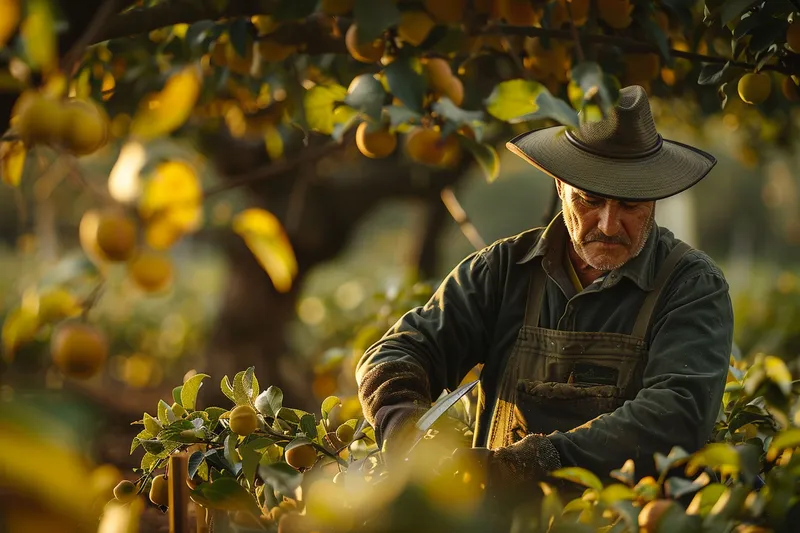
column 107, row 10
column 460, row 216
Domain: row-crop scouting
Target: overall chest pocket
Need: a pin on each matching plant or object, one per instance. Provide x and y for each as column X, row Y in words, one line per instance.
column 545, row 407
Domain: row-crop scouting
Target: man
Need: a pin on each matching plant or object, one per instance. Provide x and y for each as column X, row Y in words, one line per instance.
column 602, row 337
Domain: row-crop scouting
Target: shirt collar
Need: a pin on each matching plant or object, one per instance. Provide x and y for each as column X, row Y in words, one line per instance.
column 640, row 269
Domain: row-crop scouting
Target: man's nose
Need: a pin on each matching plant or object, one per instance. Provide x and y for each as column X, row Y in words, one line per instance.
column 609, row 222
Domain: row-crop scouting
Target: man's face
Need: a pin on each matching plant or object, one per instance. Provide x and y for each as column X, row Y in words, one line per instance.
column 605, row 233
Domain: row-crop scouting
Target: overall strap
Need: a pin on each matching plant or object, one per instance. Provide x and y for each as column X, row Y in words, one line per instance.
column 533, row 306
column 664, row 274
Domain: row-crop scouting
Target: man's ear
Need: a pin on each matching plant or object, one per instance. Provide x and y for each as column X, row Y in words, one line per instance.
column 560, row 188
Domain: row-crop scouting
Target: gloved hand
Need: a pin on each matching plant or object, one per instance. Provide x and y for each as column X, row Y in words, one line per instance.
column 395, row 431
column 521, row 463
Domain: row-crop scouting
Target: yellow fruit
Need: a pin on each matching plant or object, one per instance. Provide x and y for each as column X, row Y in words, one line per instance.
column 84, row 128
column 152, row 272
column 345, row 433
column 56, row 305
column 518, row 12
column 754, row 87
column 652, row 513
column 38, row 119
column 615, row 13
column 367, row 52
column 103, row 480
column 159, row 491
column 243, row 420
column 116, row 236
column 454, row 91
column 415, row 26
column 554, row 62
column 446, row 11
column 426, row 146
column 793, row 36
column 437, row 72
column 790, row 89
column 301, row 457
column 125, row 491
column 78, row 350
column 336, row 7
column 273, row 51
column 377, row 143
column 641, row 68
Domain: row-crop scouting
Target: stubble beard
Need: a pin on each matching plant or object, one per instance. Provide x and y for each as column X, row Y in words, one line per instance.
column 580, row 247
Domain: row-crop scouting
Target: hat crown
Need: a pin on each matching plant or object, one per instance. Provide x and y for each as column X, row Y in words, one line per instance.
column 628, row 131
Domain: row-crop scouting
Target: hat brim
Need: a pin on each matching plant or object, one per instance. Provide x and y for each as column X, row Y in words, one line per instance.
column 671, row 170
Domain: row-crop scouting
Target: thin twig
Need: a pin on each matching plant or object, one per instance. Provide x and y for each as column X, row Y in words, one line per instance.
column 273, row 170
column 460, row 216
column 108, row 9
column 90, row 300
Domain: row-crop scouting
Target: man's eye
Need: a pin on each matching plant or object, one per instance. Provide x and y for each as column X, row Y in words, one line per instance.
column 594, row 202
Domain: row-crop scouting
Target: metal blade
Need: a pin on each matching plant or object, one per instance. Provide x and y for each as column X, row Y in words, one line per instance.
column 446, row 402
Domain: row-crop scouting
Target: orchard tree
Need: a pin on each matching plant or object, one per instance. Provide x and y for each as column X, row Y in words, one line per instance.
column 157, row 112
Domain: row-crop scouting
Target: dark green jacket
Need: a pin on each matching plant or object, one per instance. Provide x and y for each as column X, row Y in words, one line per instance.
column 477, row 311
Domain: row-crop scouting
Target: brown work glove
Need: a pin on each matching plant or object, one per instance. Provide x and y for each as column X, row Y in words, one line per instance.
column 528, row 460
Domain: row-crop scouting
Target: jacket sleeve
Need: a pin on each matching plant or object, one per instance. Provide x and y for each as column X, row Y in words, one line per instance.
column 431, row 347
column 683, row 383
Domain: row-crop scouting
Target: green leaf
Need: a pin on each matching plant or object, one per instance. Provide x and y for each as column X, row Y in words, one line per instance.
column 373, row 17
column 275, row 398
column 251, row 453
column 789, row 438
column 148, row 460
column 553, row 108
column 733, row 9
column 656, row 36
column 402, row 115
column 151, row 425
column 578, row 475
column 308, row 425
column 231, row 455
column 366, row 94
column 716, row 455
column 446, row 108
column 214, row 413
column 288, row 415
column 677, row 487
column 240, row 36
column 176, row 395
column 406, row 83
column 263, row 406
column 137, row 440
column 513, row 98
column 344, row 117
column 164, row 412
column 328, row 404
column 596, row 85
column 195, row 460
column 676, row 456
column 714, row 73
column 188, row 393
column 281, row 476
column 227, row 390
column 153, row 447
column 226, row 494
column 778, row 373
column 299, row 441
column 243, row 387
column 626, row 474
column 319, row 102
column 485, row 155
column 616, row 492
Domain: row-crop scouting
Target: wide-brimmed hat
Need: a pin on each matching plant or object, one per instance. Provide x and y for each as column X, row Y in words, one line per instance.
column 621, row 156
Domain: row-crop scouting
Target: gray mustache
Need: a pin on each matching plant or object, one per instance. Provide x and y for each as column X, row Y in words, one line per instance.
column 595, row 237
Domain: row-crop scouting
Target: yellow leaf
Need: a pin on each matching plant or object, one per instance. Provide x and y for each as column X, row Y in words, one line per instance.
column 705, row 499
column 265, row 237
column 778, row 373
column 19, row 328
column 319, row 102
column 12, row 162
column 9, row 18
column 274, row 142
column 171, row 204
column 616, row 492
column 717, row 455
column 785, row 439
column 163, row 112
column 580, row 476
column 58, row 304
column 38, row 35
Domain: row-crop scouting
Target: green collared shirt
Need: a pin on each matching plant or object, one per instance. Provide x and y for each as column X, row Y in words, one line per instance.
column 476, row 313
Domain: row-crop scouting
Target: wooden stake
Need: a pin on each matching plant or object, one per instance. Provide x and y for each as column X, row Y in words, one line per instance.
column 178, row 493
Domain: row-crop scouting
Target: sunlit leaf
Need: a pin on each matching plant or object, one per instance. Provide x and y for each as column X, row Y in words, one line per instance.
column 512, row 99
column 163, row 112
column 308, row 425
column 283, row 477
column 616, row 492
column 226, row 494
column 227, row 389
column 328, row 404
column 319, row 103
column 716, row 456
column 190, row 389
column 19, row 328
column 485, row 155
column 789, row 438
column 778, row 373
column 265, row 237
column 12, row 162
column 578, row 475
column 171, row 203
column 9, row 18
column 366, row 94
column 273, row 140
column 406, row 83
column 38, row 35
